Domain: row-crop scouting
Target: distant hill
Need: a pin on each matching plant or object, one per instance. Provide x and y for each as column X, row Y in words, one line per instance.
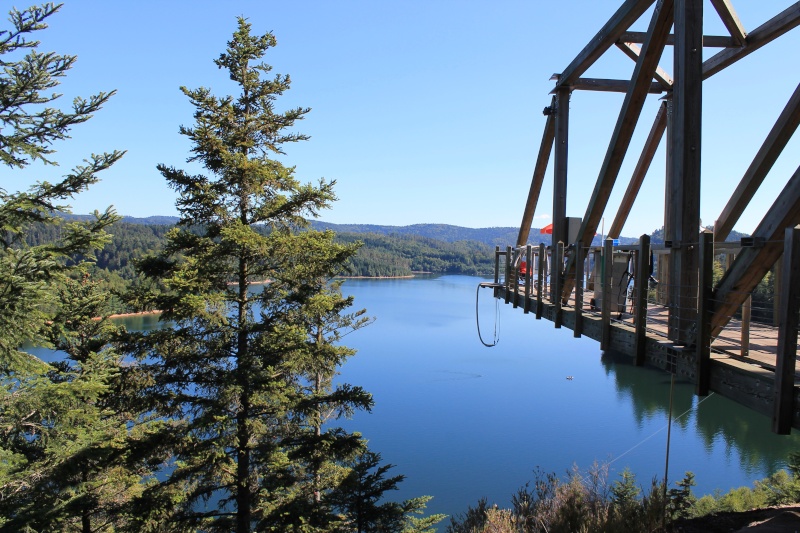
column 494, row 236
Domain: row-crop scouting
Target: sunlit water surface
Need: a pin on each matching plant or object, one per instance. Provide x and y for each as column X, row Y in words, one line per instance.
column 462, row 421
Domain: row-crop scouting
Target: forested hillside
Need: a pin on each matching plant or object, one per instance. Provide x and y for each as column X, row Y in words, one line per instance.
column 381, row 255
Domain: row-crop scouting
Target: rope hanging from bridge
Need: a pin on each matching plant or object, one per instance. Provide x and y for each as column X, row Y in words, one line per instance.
column 496, row 334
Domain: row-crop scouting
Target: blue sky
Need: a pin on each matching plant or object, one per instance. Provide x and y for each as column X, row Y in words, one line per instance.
column 423, row 111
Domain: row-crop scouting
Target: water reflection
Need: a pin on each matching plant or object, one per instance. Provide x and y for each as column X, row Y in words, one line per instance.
column 717, row 421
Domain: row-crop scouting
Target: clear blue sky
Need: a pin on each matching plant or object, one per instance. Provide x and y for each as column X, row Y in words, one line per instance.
column 423, row 111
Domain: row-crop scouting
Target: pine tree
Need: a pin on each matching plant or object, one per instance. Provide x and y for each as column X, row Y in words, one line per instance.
column 28, row 129
column 246, row 369
column 57, row 433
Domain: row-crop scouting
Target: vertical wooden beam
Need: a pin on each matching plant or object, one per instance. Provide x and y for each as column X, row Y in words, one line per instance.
column 528, row 277
column 579, row 264
column 537, row 179
column 648, row 152
column 640, row 308
column 705, row 294
column 747, row 307
column 497, row 264
column 541, row 267
column 555, row 280
column 652, row 49
column 515, row 269
column 669, row 233
column 560, row 188
column 776, row 300
column 686, row 134
column 605, row 305
column 787, row 335
column 508, row 280
column 773, row 146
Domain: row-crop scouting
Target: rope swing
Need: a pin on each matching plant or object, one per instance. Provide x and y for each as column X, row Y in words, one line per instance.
column 496, row 335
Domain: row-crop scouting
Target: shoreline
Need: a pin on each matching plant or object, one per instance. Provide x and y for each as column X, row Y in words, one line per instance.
column 158, row 312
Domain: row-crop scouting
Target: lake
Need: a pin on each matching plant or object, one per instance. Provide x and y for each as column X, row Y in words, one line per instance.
column 462, row 421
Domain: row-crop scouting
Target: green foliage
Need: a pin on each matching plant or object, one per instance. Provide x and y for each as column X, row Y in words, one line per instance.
column 246, row 371
column 582, row 502
column 360, row 498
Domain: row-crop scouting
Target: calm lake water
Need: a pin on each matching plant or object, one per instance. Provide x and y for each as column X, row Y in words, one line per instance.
column 462, row 421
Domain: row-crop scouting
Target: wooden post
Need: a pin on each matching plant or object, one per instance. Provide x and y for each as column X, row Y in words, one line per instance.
column 555, row 281
column 664, row 259
column 515, row 283
column 640, row 298
column 497, row 264
column 542, row 266
column 787, row 335
column 605, row 307
column 508, row 274
column 703, row 342
column 579, row 267
column 686, row 135
column 776, row 300
column 528, row 277
column 746, row 311
column 559, row 190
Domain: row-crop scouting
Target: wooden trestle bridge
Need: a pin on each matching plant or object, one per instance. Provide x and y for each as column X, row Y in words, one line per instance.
column 688, row 322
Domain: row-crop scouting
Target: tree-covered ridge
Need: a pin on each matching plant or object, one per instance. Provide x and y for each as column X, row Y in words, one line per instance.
column 381, row 255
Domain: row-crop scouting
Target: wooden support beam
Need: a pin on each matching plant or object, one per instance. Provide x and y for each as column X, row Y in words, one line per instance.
column 580, row 256
column 507, row 280
column 709, row 41
column 515, row 273
column 626, row 123
column 773, row 146
column 640, row 298
column 542, row 159
column 560, row 170
column 747, row 313
column 540, row 267
column 784, row 21
column 686, row 135
column 752, row 264
column 731, row 20
column 705, row 294
column 496, row 265
column 628, row 13
column 611, row 86
column 559, row 211
column 787, row 335
column 556, row 278
column 643, row 165
column 633, row 52
column 777, row 273
column 528, row 277
column 605, row 303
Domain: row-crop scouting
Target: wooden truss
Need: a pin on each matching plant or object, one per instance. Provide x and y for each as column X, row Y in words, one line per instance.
column 683, row 105
column 677, row 24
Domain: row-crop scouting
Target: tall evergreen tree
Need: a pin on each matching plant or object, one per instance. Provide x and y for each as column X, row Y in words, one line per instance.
column 29, row 127
column 247, row 369
column 62, row 435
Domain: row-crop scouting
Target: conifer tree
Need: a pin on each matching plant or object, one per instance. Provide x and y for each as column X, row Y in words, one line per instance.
column 62, row 434
column 247, row 368
column 28, row 128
